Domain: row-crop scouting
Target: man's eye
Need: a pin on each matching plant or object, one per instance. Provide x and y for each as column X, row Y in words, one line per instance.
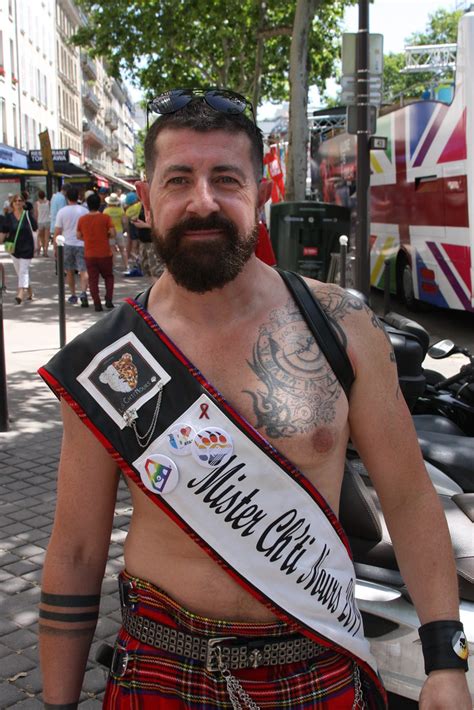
column 228, row 180
column 178, row 180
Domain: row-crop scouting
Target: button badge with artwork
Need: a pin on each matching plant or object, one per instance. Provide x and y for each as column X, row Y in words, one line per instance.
column 212, row 447
column 180, row 439
column 159, row 474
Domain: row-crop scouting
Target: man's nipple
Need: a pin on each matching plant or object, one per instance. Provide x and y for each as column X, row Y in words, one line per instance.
column 323, row 440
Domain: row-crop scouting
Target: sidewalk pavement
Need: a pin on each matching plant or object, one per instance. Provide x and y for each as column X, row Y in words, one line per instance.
column 29, row 454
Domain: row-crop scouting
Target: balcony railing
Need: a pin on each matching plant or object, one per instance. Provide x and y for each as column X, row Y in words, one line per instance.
column 89, row 98
column 93, row 134
column 112, row 119
column 88, row 66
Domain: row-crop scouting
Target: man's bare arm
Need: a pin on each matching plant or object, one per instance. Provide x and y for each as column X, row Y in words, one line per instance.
column 75, row 560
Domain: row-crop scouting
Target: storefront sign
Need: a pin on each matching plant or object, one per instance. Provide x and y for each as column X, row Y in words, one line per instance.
column 12, row 158
column 59, row 155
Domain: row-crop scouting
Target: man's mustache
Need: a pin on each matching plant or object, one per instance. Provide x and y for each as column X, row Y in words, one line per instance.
column 195, row 224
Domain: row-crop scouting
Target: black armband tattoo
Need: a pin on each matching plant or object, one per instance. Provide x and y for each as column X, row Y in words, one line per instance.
column 60, row 706
column 444, row 645
column 70, row 600
column 61, row 616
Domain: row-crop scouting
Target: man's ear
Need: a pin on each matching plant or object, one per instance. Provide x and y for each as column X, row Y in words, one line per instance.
column 264, row 192
column 143, row 192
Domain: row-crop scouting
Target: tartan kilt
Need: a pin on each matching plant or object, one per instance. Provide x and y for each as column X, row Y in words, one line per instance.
column 161, row 680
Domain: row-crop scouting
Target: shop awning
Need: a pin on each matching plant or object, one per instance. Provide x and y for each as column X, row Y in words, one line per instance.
column 106, row 180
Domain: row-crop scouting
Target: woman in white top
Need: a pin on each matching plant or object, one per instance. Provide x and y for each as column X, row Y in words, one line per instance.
column 43, row 219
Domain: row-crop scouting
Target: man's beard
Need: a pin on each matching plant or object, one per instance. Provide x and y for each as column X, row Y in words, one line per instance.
column 202, row 265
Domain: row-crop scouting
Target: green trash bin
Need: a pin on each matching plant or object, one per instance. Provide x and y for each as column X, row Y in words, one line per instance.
column 305, row 234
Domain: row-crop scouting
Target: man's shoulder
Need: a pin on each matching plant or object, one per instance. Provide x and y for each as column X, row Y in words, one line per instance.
column 341, row 306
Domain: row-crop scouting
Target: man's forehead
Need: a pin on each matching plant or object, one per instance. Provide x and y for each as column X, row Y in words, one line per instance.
column 173, row 142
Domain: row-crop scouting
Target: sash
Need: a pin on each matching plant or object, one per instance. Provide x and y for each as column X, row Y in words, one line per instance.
column 212, row 473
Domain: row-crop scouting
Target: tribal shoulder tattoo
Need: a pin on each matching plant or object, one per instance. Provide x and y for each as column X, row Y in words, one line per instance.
column 297, row 389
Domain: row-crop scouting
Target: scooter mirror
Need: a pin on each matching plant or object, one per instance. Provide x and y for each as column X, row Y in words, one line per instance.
column 442, row 349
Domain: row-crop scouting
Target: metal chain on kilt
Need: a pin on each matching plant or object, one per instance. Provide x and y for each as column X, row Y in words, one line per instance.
column 237, row 694
column 359, row 701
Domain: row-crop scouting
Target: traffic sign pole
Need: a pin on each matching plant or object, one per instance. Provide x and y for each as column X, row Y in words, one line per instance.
column 362, row 265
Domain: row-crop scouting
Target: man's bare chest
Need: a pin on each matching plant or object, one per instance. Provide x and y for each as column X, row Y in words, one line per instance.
column 275, row 375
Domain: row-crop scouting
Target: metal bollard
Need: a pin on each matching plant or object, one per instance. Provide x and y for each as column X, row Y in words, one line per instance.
column 343, row 242
column 386, row 286
column 61, row 290
column 3, row 371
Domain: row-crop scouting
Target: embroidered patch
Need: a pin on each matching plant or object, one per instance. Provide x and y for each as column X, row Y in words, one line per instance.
column 123, row 377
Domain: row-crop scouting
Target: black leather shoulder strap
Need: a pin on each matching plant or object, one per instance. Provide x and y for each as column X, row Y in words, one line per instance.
column 143, row 296
column 321, row 328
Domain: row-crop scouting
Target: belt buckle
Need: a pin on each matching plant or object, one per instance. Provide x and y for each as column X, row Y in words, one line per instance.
column 125, row 590
column 120, row 659
column 211, row 664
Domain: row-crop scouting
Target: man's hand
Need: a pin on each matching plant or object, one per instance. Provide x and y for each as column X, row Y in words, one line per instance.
column 444, row 690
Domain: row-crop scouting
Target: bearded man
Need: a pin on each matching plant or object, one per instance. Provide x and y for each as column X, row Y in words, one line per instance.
column 217, row 401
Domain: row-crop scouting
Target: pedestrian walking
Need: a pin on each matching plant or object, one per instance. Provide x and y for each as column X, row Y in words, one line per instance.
column 132, row 212
column 117, row 214
column 96, row 230
column 42, row 216
column 66, row 224
column 58, row 201
column 17, row 232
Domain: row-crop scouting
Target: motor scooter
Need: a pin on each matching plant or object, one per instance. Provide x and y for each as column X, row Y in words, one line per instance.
column 442, row 416
column 390, row 620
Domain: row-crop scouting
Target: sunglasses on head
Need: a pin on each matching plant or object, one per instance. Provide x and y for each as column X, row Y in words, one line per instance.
column 221, row 100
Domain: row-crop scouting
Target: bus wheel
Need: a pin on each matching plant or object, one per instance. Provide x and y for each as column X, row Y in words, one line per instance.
column 405, row 289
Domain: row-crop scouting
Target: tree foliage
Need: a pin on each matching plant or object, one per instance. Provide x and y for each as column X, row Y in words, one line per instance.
column 441, row 29
column 166, row 43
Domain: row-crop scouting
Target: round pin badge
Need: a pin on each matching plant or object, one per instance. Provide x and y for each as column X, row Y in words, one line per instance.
column 212, row 447
column 159, row 474
column 180, row 439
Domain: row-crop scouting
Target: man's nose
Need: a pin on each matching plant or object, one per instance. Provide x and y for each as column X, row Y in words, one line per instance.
column 203, row 201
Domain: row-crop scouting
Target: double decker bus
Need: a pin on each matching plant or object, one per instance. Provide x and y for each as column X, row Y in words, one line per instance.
column 421, row 190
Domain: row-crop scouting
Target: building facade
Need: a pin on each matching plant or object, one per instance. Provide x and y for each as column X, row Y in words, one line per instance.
column 46, row 83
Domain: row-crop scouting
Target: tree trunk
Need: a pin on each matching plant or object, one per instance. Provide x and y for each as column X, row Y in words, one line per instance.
column 298, row 132
column 259, row 55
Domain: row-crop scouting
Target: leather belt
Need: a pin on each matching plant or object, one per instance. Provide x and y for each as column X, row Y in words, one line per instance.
column 235, row 652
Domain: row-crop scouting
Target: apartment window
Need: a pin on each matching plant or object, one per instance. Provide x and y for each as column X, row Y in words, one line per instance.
column 15, row 127
column 38, row 85
column 3, row 112
column 27, row 133
column 1, row 50
column 33, row 134
column 45, row 92
column 10, row 8
column 12, row 59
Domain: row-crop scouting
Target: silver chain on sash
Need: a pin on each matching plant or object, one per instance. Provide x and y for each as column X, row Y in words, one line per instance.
column 131, row 417
column 237, row 694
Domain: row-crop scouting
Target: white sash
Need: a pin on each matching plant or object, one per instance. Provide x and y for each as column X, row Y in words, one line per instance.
column 264, row 524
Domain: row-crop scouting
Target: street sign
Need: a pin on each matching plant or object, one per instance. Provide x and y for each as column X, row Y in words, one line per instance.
column 46, row 152
column 349, row 44
column 377, row 143
column 352, row 119
column 349, row 92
